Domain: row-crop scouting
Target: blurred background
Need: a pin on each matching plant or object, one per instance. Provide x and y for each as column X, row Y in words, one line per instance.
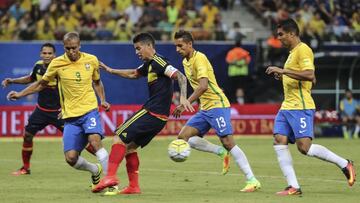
column 237, row 36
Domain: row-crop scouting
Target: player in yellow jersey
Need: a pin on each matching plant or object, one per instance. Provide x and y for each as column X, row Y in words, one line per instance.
column 214, row 107
column 76, row 73
column 294, row 121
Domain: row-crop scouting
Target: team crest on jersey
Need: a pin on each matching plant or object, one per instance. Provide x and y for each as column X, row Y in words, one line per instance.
column 87, row 66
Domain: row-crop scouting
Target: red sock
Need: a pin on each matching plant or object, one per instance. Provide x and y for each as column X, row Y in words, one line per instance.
column 132, row 167
column 90, row 149
column 116, row 156
column 26, row 152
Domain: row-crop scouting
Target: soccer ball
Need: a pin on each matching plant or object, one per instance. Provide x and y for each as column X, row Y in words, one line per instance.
column 179, row 150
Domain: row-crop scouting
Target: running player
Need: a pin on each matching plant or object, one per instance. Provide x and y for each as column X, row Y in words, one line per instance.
column 214, row 106
column 294, row 122
column 77, row 72
column 145, row 124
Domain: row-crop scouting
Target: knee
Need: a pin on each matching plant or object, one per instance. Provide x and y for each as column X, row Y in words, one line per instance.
column 303, row 148
column 71, row 159
column 28, row 137
column 228, row 142
column 280, row 140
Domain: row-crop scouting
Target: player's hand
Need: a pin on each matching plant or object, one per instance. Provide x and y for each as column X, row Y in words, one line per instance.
column 274, row 70
column 6, row 82
column 13, row 96
column 278, row 76
column 186, row 104
column 178, row 111
column 105, row 105
column 104, row 67
column 59, row 116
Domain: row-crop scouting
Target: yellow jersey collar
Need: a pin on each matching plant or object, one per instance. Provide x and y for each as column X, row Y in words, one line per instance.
column 298, row 45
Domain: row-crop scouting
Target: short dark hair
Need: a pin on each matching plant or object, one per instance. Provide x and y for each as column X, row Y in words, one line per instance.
column 187, row 36
column 348, row 90
column 289, row 25
column 144, row 37
column 48, row 45
column 71, row 36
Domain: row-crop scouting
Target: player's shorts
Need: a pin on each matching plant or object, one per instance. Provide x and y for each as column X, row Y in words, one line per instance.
column 39, row 119
column 295, row 124
column 77, row 130
column 217, row 118
column 140, row 128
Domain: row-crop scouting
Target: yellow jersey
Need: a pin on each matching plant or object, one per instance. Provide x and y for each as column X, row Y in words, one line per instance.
column 297, row 93
column 77, row 96
column 198, row 66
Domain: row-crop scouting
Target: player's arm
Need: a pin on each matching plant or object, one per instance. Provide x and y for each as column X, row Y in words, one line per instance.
column 21, row 80
column 305, row 75
column 125, row 73
column 184, row 103
column 203, row 86
column 99, row 90
column 31, row 89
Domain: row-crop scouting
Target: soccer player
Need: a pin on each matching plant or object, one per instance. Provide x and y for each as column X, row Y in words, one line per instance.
column 146, row 123
column 214, row 107
column 77, row 72
column 47, row 108
column 294, row 121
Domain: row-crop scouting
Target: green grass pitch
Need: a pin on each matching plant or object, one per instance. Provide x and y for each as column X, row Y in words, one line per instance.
column 197, row 180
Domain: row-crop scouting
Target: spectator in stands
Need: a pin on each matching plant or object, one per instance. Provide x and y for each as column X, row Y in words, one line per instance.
column 122, row 32
column 172, row 12
column 26, row 28
column 134, row 11
column 238, row 72
column 355, row 23
column 7, row 27
column 235, row 33
column 16, row 11
column 317, row 26
column 69, row 21
column 350, row 114
column 210, row 11
column 219, row 29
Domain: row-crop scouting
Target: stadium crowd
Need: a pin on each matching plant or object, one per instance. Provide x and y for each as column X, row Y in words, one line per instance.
column 112, row 19
column 323, row 20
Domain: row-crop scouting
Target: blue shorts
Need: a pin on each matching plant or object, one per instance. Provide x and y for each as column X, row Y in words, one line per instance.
column 295, row 124
column 76, row 130
column 218, row 119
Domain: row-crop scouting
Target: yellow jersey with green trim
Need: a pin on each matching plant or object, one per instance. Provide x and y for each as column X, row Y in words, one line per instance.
column 198, row 66
column 77, row 96
column 297, row 93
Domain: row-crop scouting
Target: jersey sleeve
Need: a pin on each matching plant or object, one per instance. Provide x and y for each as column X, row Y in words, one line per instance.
column 142, row 69
column 96, row 74
column 33, row 73
column 201, row 67
column 50, row 73
column 306, row 59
